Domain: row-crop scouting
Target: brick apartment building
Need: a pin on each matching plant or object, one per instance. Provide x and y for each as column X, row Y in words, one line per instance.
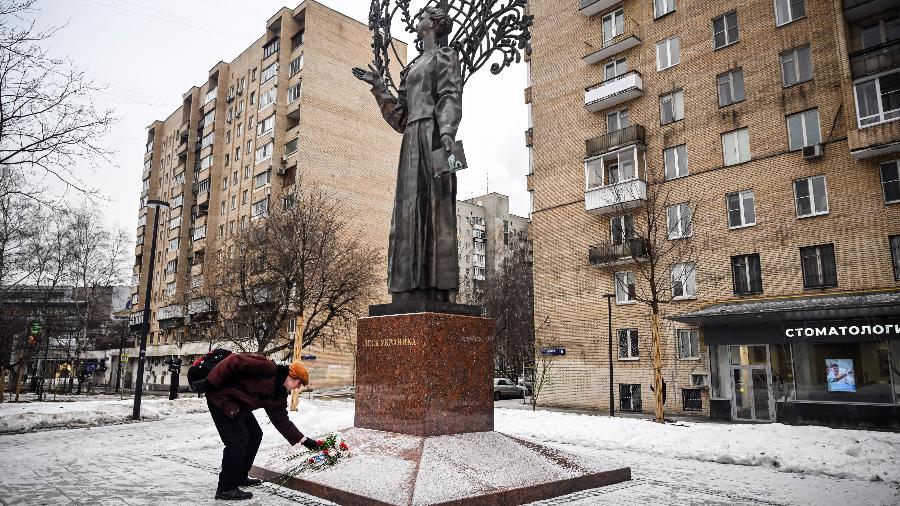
column 773, row 126
column 485, row 229
column 287, row 106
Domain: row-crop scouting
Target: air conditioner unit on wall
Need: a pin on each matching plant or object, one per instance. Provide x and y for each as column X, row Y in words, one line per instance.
column 812, row 152
column 700, row 379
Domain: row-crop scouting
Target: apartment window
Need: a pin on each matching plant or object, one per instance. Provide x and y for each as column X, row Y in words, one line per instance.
column 253, row 75
column 628, row 343
column 175, row 222
column 613, row 25
column 228, row 137
column 789, row 10
column 231, row 227
column 247, row 171
column 895, row 255
column 691, row 400
column 630, row 397
column 267, row 98
column 252, row 97
column 611, row 168
column 268, row 73
column 617, row 120
column 177, row 201
column 209, row 118
column 668, row 53
column 803, row 129
column 297, row 40
column 688, row 343
column 684, row 282
column 221, row 233
column 269, row 49
column 879, row 32
column 207, row 140
column 625, row 289
column 819, row 269
column 245, row 196
column 237, row 153
column 663, row 7
column 174, row 243
column 736, row 146
column 234, row 178
column 811, row 195
column 170, row 291
column 224, row 183
column 265, row 125
column 296, row 65
column 210, row 96
column 679, row 221
column 240, row 129
column 741, row 209
column 262, row 179
column 676, row 161
column 227, row 158
column 222, row 209
column 233, row 202
column 621, row 228
column 796, row 66
column 725, row 30
column 260, row 208
column 294, row 92
column 671, row 107
column 878, row 100
column 615, row 69
column 264, row 151
column 243, row 222
column 746, row 274
column 731, row 87
column 890, row 181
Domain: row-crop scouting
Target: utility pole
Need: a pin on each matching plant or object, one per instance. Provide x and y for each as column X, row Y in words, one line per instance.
column 612, row 395
column 145, row 326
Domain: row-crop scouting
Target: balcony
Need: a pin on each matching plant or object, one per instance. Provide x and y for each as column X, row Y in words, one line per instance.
column 858, row 9
column 615, row 197
column 612, row 141
column 605, row 46
column 612, row 92
column 591, row 8
column 182, row 148
column 137, row 321
column 875, row 59
column 529, row 137
column 609, row 254
column 876, row 140
column 170, row 316
column 200, row 306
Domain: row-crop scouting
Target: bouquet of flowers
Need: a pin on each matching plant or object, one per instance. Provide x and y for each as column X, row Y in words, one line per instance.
column 331, row 449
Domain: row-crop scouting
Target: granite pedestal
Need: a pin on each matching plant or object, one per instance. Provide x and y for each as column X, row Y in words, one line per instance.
column 424, row 425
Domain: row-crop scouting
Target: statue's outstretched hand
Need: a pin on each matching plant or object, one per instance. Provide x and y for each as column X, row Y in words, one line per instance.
column 370, row 76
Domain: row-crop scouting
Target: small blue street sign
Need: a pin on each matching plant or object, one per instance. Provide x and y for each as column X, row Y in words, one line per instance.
column 559, row 350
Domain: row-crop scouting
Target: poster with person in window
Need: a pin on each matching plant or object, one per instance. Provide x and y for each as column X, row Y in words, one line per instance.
column 839, row 375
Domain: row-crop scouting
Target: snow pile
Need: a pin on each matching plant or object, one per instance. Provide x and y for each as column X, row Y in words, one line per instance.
column 811, row 450
column 34, row 416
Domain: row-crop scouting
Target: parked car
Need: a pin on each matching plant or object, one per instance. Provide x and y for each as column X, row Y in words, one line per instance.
column 506, row 389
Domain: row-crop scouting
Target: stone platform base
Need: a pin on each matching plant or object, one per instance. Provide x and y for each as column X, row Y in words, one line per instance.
column 479, row 468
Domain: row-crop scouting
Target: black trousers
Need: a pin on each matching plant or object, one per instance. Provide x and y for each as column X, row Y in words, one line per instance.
column 242, row 437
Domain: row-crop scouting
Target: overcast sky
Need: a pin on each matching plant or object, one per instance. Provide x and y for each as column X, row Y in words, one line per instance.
column 148, row 53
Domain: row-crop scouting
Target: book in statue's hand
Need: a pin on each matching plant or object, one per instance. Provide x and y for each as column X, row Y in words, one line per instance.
column 447, row 162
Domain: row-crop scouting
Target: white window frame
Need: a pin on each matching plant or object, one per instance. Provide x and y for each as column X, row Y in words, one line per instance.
column 271, row 70
column 676, row 97
column 882, row 116
column 633, row 338
column 730, row 75
column 741, row 197
column 804, row 127
column 657, row 4
column 266, row 125
column 736, row 136
column 795, row 58
column 685, row 275
column 677, row 211
column 675, row 172
column 618, row 116
column 672, row 57
column 617, row 28
column 268, row 98
column 622, row 295
column 264, row 152
column 791, row 15
column 724, row 18
column 812, row 197
column 693, row 344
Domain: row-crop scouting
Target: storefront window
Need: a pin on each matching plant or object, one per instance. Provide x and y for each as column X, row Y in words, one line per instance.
column 782, row 371
column 843, row 372
column 895, row 368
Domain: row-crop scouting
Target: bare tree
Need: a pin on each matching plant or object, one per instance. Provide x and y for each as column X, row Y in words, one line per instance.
column 508, row 298
column 47, row 120
column 651, row 231
column 301, row 260
column 543, row 362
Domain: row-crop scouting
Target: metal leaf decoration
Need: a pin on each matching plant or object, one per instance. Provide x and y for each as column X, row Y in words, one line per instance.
column 484, row 31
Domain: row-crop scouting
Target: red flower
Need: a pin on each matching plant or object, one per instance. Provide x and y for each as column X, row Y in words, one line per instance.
column 320, row 442
column 344, row 446
column 311, row 461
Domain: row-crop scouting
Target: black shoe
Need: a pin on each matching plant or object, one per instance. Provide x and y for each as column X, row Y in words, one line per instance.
column 250, row 482
column 234, row 494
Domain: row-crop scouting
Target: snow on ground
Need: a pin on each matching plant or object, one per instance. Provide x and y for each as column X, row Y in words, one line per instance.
column 175, row 460
column 862, row 455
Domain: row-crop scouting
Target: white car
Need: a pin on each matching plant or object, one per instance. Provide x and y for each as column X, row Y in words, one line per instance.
column 504, row 388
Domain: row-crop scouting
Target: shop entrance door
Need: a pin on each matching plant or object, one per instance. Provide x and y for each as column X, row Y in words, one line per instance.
column 751, row 396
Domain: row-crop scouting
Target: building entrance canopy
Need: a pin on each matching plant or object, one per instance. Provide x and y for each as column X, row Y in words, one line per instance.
column 833, row 318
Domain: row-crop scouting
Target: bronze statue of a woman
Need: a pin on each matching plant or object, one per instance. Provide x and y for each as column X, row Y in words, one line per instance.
column 422, row 256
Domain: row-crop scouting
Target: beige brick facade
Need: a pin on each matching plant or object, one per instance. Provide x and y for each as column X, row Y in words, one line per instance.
column 329, row 132
column 570, row 309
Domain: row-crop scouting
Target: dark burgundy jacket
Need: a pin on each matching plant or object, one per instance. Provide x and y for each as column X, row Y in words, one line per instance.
column 243, row 382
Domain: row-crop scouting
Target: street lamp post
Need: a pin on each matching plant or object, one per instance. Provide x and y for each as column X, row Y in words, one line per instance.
column 612, row 397
column 145, row 326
